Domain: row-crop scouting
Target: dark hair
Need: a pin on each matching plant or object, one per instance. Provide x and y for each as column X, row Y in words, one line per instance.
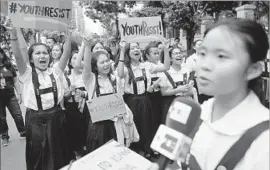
column 127, row 62
column 95, row 43
column 69, row 61
column 171, row 50
column 31, row 50
column 95, row 57
column 52, row 38
column 74, row 46
column 195, row 42
column 6, row 61
column 176, row 38
column 109, row 52
column 162, row 56
column 254, row 38
column 61, row 47
column 147, row 51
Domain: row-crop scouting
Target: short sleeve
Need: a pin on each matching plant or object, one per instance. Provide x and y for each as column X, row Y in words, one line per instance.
column 151, row 67
column 26, row 75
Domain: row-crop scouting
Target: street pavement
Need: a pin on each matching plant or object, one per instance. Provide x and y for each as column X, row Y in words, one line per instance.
column 13, row 156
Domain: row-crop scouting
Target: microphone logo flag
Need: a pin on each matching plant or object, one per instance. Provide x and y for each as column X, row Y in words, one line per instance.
column 180, row 112
column 171, row 143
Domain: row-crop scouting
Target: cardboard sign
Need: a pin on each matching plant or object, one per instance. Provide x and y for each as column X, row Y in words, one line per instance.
column 106, row 107
column 40, row 14
column 140, row 29
column 171, row 143
column 111, row 156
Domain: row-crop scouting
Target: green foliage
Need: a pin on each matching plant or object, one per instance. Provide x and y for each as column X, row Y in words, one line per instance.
column 107, row 13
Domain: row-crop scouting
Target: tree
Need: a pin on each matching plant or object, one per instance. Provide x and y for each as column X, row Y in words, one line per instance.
column 187, row 15
column 107, row 13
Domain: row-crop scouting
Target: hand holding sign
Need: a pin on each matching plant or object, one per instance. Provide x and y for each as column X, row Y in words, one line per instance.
column 9, row 27
column 166, row 43
column 123, row 46
column 87, row 38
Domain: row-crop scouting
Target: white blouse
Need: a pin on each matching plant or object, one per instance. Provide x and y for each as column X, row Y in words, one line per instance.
column 137, row 70
column 176, row 76
column 214, row 139
column 105, row 86
column 44, row 79
column 151, row 67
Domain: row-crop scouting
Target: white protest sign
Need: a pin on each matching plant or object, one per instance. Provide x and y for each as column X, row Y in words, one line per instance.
column 106, row 107
column 111, row 156
column 40, row 14
column 141, row 29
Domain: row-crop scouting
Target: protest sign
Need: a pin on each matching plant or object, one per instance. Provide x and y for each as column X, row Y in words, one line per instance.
column 111, row 156
column 140, row 29
column 40, row 14
column 106, row 107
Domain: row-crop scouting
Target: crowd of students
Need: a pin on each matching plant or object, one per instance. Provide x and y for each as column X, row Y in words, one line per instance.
column 57, row 80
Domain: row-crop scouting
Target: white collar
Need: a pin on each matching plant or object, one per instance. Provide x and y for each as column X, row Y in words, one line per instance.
column 47, row 71
column 245, row 115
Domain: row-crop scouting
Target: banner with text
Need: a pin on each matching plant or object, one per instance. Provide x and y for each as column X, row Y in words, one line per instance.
column 106, row 107
column 141, row 29
column 40, row 14
column 111, row 156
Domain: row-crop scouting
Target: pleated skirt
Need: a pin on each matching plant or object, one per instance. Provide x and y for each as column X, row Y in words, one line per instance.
column 46, row 140
column 140, row 106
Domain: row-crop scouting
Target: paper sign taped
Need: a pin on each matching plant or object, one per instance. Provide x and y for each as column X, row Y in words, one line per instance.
column 49, row 14
column 111, row 156
column 106, row 107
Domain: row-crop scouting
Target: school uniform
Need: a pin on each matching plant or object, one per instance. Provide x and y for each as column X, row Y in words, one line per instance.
column 100, row 132
column 170, row 80
column 137, row 99
column 77, row 119
column 9, row 100
column 46, row 146
column 155, row 96
column 190, row 64
column 214, row 139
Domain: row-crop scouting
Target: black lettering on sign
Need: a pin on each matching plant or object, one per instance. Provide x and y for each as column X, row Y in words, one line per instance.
column 40, row 10
column 68, row 10
column 51, row 12
column 142, row 29
column 104, row 165
column 47, row 12
column 169, row 143
column 55, row 12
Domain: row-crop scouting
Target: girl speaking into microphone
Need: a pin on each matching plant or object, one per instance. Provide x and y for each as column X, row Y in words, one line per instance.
column 234, row 133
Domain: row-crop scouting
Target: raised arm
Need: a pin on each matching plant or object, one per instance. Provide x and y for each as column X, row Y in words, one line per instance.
column 87, row 68
column 23, row 46
column 120, row 67
column 66, row 54
column 79, row 62
column 169, row 92
column 166, row 65
column 21, row 64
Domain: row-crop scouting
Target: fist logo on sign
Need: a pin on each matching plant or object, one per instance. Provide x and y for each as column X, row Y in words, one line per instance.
column 169, row 143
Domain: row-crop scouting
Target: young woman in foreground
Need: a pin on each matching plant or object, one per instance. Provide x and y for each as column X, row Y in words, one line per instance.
column 228, row 70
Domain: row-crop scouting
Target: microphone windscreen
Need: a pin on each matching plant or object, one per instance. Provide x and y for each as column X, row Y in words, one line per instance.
column 183, row 115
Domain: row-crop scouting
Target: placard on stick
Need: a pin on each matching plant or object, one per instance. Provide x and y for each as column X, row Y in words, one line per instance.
column 106, row 107
column 40, row 14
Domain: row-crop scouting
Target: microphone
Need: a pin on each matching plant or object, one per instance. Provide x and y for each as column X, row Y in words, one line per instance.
column 174, row 140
